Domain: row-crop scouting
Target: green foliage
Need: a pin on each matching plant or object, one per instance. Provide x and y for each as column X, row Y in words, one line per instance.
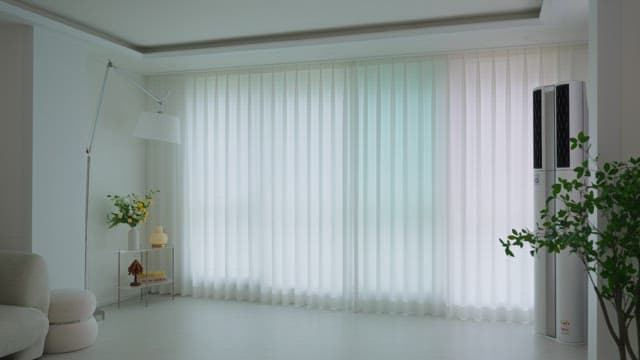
column 609, row 250
column 130, row 209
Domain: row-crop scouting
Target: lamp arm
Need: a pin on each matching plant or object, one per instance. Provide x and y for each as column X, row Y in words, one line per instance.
column 128, row 77
column 100, row 101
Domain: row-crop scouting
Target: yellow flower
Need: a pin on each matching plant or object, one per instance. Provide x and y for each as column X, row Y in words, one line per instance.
column 119, row 215
column 129, row 220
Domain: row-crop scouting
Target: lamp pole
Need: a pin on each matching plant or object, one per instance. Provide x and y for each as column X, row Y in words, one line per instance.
column 88, row 173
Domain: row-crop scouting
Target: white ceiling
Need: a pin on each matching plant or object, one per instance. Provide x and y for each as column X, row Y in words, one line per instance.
column 559, row 22
column 153, row 23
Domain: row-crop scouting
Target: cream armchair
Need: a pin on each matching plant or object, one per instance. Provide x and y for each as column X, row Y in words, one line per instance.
column 24, row 304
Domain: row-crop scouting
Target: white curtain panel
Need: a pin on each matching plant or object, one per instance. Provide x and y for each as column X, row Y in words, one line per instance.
column 263, row 166
column 398, row 185
column 375, row 186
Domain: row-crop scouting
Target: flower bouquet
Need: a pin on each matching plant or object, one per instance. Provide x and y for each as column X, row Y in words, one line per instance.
column 130, row 209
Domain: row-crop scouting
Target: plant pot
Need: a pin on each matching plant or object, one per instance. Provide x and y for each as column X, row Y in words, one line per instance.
column 134, row 239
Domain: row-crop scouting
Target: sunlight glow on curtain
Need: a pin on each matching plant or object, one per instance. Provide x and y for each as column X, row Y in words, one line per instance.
column 376, row 186
column 400, row 144
column 265, row 186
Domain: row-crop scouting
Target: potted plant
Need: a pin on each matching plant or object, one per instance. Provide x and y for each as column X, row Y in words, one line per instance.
column 130, row 210
column 610, row 250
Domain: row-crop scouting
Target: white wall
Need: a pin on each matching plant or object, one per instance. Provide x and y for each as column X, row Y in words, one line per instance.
column 15, row 137
column 614, row 56
column 67, row 77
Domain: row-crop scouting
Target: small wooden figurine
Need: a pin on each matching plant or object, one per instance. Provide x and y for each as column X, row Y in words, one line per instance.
column 134, row 269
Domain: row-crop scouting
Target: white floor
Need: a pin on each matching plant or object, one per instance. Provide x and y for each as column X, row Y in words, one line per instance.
column 189, row 328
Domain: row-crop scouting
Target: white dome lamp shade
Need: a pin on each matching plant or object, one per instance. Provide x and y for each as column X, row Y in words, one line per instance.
column 158, row 126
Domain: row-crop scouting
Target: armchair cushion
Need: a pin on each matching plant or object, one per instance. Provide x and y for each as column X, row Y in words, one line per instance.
column 24, row 304
column 20, row 328
column 24, row 280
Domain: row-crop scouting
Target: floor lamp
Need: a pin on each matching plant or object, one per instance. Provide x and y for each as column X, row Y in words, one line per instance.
column 150, row 125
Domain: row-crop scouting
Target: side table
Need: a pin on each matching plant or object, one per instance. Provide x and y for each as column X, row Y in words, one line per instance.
column 143, row 256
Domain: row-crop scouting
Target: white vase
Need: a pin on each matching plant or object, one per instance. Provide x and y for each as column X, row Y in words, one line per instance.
column 134, row 239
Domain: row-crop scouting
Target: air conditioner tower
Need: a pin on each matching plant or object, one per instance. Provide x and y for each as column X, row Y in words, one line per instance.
column 559, row 113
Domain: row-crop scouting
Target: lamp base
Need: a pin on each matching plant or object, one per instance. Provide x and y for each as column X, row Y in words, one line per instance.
column 98, row 314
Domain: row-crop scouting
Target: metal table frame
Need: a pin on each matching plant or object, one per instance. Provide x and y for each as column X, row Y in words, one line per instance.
column 143, row 257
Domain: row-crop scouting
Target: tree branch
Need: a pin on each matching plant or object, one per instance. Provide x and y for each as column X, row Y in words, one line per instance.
column 603, row 306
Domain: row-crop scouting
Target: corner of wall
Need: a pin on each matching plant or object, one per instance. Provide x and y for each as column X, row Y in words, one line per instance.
column 16, row 90
column 27, row 144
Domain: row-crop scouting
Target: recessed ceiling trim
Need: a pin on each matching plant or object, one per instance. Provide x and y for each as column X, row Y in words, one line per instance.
column 70, row 23
column 533, row 13
column 317, row 34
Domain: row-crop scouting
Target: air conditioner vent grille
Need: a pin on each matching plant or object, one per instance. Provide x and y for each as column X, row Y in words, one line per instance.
column 563, row 156
column 537, row 129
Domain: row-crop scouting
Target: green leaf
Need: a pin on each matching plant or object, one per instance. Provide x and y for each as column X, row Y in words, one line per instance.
column 582, row 138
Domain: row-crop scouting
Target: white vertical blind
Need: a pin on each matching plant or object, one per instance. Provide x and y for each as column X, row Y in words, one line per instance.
column 377, row 186
column 264, row 185
column 490, row 192
column 399, row 140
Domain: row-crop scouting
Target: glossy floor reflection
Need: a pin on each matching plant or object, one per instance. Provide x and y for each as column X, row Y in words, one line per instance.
column 188, row 328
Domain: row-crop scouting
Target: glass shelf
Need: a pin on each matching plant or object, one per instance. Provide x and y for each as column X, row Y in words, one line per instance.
column 145, row 250
column 147, row 284
column 143, row 255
